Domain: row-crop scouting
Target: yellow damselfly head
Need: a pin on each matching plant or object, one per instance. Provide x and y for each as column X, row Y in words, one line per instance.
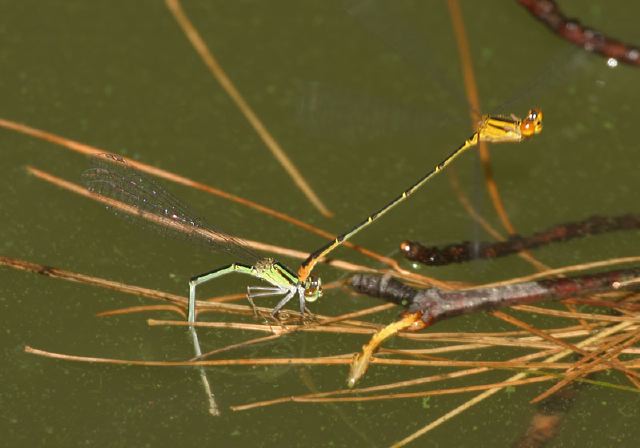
column 532, row 123
column 312, row 289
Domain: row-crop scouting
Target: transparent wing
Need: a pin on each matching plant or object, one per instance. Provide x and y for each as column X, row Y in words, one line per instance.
column 112, row 177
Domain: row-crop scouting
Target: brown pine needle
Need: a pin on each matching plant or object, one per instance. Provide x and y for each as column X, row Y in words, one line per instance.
column 236, row 346
column 181, row 301
column 286, row 330
column 328, row 360
column 289, row 399
column 512, row 320
column 270, row 248
column 564, row 270
column 89, row 150
column 281, row 331
column 217, row 325
column 142, row 309
column 617, row 305
column 532, row 342
column 470, row 84
column 421, row 394
column 356, row 314
column 442, row 376
column 591, row 361
column 570, row 315
column 506, row 365
column 227, row 85
column 228, row 298
column 274, row 329
column 54, row 272
column 466, row 347
column 334, row 360
column 389, row 386
column 474, row 100
column 483, row 396
column 571, row 331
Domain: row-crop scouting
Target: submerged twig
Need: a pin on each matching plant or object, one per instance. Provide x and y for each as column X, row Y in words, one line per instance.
column 472, row 250
column 570, row 29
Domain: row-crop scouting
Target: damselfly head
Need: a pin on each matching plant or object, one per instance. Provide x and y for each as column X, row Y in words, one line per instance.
column 532, row 123
column 312, row 289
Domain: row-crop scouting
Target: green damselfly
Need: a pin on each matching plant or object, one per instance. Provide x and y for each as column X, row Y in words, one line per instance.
column 112, row 177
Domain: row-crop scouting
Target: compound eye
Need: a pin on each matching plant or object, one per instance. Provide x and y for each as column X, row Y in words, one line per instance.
column 532, row 124
column 313, row 289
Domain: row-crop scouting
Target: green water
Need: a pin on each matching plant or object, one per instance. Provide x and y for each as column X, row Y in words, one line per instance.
column 347, row 104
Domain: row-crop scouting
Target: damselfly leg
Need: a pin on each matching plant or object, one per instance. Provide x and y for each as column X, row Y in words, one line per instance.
column 266, row 291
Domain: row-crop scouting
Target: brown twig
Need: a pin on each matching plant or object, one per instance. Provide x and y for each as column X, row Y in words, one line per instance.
column 548, row 12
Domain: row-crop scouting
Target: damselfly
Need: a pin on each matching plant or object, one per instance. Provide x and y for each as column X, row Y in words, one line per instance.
column 113, row 178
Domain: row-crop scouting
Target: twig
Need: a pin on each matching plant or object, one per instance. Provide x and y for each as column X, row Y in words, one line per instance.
column 473, row 250
column 435, row 304
column 548, row 12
